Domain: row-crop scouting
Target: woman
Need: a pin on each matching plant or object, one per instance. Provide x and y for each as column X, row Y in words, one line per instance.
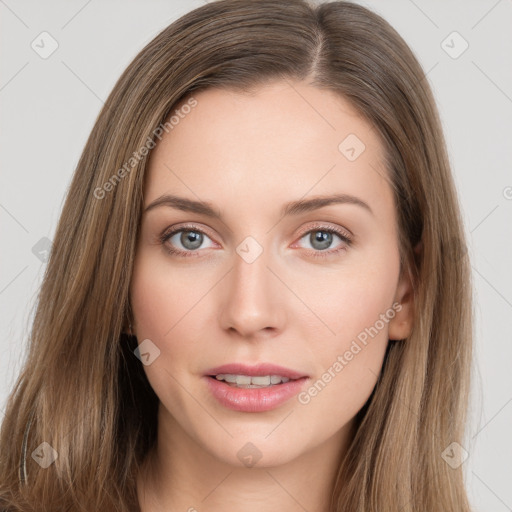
column 258, row 295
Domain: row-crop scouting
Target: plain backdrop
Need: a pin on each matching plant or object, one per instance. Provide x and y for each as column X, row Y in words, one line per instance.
column 49, row 103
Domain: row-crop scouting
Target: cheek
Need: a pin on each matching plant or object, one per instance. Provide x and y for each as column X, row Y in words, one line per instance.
column 165, row 306
column 154, row 305
column 156, row 308
column 168, row 306
column 350, row 300
column 162, row 297
column 355, row 306
column 349, row 361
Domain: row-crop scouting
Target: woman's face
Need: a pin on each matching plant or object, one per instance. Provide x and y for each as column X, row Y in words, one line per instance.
column 264, row 276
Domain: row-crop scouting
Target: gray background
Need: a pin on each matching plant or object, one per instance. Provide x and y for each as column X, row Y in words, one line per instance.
column 48, row 107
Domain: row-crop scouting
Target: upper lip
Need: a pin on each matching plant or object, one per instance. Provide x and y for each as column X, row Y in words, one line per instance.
column 255, row 370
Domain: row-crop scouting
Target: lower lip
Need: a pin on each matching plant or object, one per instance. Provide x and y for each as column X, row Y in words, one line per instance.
column 254, row 399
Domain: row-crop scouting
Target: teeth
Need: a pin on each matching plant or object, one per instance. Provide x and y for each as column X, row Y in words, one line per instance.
column 246, row 381
column 261, row 381
column 228, row 378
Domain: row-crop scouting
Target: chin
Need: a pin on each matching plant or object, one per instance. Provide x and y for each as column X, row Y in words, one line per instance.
column 252, row 447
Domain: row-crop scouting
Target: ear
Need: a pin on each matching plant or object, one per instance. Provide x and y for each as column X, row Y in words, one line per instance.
column 128, row 322
column 400, row 326
column 127, row 328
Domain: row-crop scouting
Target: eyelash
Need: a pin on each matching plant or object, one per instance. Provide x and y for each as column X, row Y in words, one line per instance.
column 316, row 254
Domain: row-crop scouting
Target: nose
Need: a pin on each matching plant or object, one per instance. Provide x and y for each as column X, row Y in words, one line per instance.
column 253, row 305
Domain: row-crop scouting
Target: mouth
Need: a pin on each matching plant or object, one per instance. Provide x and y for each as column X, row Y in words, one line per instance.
column 254, row 388
column 259, row 375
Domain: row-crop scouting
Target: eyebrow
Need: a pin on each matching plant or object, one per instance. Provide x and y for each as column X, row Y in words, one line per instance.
column 291, row 208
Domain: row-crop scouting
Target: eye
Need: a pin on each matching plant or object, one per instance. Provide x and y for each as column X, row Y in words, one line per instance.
column 321, row 238
column 189, row 238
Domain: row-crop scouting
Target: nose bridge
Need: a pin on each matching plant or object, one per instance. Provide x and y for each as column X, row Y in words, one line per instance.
column 251, row 291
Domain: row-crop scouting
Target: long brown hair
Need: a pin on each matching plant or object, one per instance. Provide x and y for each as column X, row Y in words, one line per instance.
column 82, row 390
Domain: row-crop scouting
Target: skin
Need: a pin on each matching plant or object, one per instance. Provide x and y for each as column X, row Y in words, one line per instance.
column 248, row 155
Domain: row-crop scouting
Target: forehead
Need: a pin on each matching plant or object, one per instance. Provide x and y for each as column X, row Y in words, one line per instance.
column 277, row 142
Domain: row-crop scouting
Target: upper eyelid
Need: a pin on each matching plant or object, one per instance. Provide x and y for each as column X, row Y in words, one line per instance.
column 324, row 226
column 186, row 227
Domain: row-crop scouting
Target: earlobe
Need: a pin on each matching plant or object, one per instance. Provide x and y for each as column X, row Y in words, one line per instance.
column 400, row 326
